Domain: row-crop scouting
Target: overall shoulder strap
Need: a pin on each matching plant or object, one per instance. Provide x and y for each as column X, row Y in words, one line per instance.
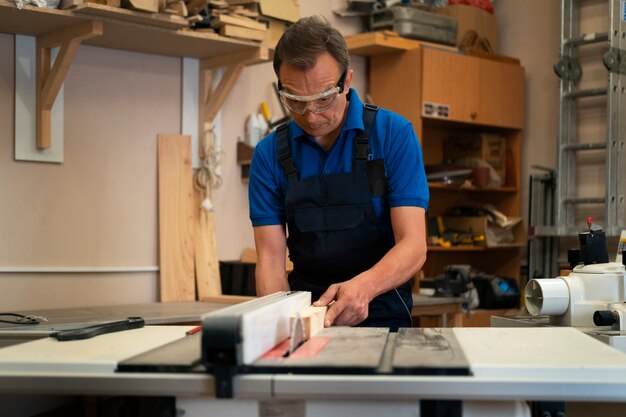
column 362, row 145
column 284, row 152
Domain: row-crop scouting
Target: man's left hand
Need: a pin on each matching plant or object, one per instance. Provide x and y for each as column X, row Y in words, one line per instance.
column 350, row 305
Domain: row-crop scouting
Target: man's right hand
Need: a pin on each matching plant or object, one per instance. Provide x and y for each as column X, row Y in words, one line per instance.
column 350, row 306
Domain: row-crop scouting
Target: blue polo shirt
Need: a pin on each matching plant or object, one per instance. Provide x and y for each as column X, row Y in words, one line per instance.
column 391, row 139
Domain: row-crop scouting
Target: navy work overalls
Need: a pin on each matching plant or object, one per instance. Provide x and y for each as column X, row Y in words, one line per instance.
column 333, row 231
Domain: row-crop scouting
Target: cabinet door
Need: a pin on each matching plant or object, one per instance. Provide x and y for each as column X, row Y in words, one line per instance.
column 473, row 90
column 502, row 94
column 450, row 80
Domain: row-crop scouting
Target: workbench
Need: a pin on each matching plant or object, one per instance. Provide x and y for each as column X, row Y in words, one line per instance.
column 437, row 311
column 508, row 367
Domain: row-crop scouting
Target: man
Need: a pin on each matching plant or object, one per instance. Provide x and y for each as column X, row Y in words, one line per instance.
column 347, row 180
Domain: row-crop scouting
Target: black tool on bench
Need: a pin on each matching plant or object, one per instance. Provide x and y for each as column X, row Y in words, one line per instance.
column 98, row 329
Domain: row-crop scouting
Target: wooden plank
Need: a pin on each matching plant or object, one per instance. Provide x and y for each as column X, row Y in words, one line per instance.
column 162, row 20
column 312, row 320
column 225, row 19
column 78, row 32
column 242, row 33
column 205, row 251
column 143, row 5
column 229, row 299
column 248, row 57
column 176, row 219
column 375, row 43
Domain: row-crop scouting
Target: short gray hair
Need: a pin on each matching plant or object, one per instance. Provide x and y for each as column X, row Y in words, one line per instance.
column 305, row 40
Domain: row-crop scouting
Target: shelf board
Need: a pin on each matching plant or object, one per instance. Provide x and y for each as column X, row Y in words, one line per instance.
column 433, row 186
column 386, row 41
column 122, row 34
column 375, row 43
column 505, row 246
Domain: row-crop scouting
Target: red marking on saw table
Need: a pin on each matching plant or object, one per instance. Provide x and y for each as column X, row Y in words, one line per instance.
column 309, row 349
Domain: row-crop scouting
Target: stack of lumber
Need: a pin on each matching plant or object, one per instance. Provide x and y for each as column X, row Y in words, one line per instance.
column 235, row 21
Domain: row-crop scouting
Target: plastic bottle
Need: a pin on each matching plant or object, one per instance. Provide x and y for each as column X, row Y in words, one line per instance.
column 254, row 129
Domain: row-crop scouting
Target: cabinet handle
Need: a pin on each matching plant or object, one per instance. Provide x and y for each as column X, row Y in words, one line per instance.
column 473, row 115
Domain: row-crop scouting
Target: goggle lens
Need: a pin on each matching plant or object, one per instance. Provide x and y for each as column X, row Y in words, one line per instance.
column 317, row 104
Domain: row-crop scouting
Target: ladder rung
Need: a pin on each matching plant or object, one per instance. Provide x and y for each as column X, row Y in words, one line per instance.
column 584, row 200
column 584, row 146
column 587, row 39
column 586, row 93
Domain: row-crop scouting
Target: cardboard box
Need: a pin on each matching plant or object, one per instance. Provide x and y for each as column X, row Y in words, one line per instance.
column 490, row 148
column 472, row 18
column 287, row 10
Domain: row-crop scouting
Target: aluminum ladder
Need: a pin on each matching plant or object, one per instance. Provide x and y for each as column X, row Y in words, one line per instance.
column 569, row 144
column 554, row 200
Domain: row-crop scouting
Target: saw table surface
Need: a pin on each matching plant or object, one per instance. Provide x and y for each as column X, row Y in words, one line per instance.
column 152, row 313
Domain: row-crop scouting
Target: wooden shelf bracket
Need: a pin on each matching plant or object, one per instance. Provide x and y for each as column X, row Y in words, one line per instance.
column 49, row 80
column 212, row 101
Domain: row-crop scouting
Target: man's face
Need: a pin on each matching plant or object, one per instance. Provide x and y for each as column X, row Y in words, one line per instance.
column 323, row 77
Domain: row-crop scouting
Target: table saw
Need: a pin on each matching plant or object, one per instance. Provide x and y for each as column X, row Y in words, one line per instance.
column 240, row 364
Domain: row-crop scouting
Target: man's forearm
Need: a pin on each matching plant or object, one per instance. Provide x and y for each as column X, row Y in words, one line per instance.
column 270, row 280
column 396, row 267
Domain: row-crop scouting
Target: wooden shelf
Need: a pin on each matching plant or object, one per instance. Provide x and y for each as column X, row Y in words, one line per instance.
column 506, row 246
column 244, row 159
column 119, row 32
column 375, row 43
column 452, row 188
column 122, row 29
column 492, row 101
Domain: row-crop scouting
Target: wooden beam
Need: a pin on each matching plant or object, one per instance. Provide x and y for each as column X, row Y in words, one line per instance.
column 208, row 281
column 206, row 259
column 217, row 98
column 250, row 57
column 79, row 32
column 49, row 81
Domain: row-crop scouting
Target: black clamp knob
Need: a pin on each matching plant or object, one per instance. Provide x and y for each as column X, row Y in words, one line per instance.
column 605, row 318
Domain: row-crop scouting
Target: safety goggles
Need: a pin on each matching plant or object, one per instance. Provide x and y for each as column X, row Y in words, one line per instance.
column 317, row 103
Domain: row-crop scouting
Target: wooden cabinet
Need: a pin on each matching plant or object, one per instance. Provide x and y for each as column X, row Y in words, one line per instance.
column 474, row 90
column 445, row 93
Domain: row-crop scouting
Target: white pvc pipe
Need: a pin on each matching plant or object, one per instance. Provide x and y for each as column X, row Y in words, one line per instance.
column 547, row 296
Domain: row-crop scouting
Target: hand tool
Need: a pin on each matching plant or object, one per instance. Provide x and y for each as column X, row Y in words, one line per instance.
column 98, row 329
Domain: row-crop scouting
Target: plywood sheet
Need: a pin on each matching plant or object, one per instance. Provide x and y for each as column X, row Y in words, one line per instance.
column 176, row 219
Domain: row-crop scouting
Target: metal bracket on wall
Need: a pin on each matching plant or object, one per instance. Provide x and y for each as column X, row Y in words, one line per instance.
column 49, row 80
